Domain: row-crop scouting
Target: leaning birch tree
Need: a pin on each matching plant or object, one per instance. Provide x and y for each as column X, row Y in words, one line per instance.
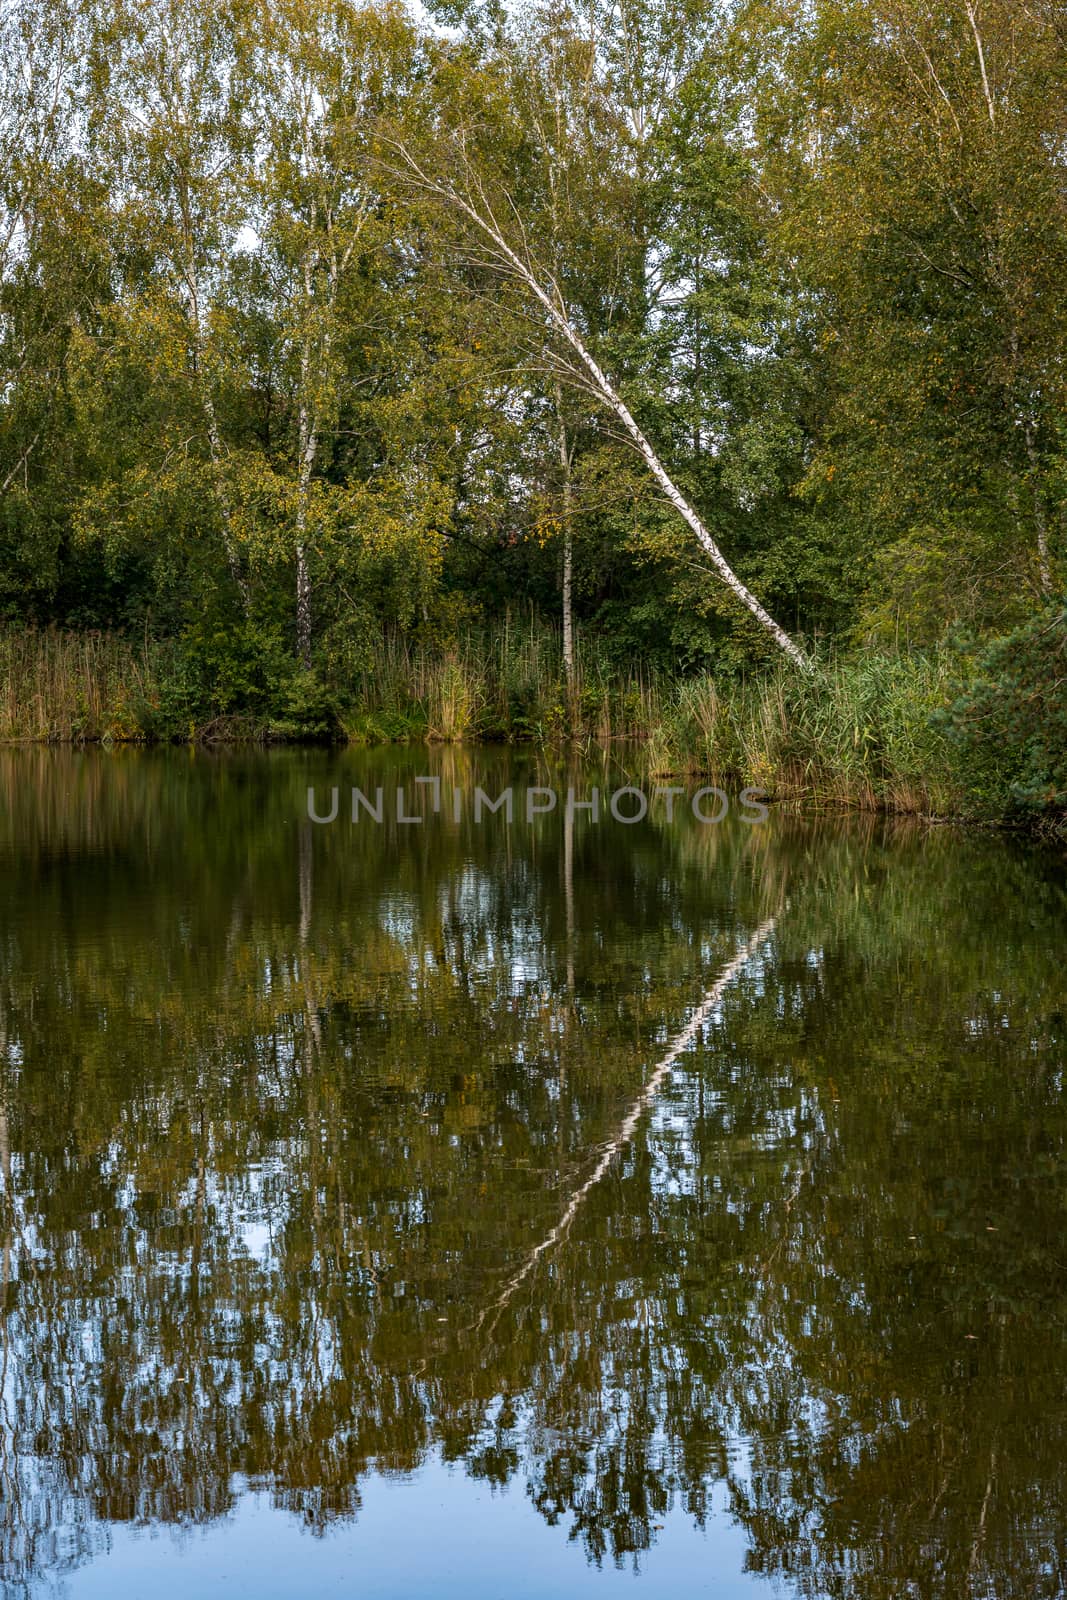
column 500, row 240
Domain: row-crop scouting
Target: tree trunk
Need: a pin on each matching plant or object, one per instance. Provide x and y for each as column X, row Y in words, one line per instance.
column 593, row 378
column 207, row 405
column 307, row 445
column 303, row 604
column 568, row 547
column 615, row 402
column 233, row 560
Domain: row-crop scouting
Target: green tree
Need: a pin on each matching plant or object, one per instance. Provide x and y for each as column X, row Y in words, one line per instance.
column 915, row 174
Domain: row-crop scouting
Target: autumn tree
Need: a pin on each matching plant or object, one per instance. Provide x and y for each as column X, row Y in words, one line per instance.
column 525, row 243
column 913, row 161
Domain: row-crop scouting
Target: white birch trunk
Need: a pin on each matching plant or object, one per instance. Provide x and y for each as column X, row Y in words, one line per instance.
column 303, row 575
column 615, row 403
column 307, row 450
column 595, row 379
column 308, row 443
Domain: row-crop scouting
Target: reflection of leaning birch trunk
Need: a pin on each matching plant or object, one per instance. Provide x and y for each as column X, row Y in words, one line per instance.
column 679, row 1045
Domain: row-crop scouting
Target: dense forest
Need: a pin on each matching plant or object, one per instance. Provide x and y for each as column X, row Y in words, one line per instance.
column 485, row 369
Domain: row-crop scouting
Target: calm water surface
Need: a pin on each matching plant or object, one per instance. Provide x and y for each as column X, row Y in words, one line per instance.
column 513, row 1211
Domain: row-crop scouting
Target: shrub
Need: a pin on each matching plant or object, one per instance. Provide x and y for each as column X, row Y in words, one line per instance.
column 307, row 709
column 1009, row 727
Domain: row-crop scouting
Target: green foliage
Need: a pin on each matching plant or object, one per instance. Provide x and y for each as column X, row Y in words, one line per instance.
column 1009, row 726
column 915, row 167
column 858, row 733
column 819, row 251
column 238, row 678
column 221, row 668
column 307, row 710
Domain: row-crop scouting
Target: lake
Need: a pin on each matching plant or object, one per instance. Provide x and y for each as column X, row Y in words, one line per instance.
column 521, row 1207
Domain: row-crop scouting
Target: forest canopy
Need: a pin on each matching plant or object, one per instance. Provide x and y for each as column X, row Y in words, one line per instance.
column 325, row 321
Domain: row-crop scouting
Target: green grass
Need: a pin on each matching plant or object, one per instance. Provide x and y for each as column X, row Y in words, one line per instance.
column 857, row 733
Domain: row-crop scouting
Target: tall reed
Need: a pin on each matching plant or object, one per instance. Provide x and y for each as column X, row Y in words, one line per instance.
column 858, row 732
column 504, row 681
column 73, row 686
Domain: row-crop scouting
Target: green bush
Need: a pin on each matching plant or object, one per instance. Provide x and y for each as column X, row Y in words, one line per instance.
column 1009, row 727
column 236, row 679
column 307, row 710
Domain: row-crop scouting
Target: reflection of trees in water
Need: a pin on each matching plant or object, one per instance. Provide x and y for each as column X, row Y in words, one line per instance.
column 279, row 1133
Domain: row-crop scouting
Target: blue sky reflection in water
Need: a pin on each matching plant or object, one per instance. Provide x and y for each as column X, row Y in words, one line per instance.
column 488, row 1209
column 437, row 1532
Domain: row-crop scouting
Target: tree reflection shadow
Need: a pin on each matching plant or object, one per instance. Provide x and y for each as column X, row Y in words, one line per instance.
column 287, row 1116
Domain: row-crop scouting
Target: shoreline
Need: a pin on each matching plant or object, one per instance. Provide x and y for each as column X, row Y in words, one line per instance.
column 939, row 735
column 801, row 801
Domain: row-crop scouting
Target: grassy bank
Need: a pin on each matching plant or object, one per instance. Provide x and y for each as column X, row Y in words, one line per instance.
column 75, row 687
column 505, row 682
column 908, row 733
column 860, row 733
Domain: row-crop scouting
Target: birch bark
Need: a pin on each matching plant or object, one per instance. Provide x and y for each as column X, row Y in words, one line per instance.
column 475, row 207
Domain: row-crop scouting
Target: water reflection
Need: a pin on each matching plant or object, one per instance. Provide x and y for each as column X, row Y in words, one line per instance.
column 630, row 1166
